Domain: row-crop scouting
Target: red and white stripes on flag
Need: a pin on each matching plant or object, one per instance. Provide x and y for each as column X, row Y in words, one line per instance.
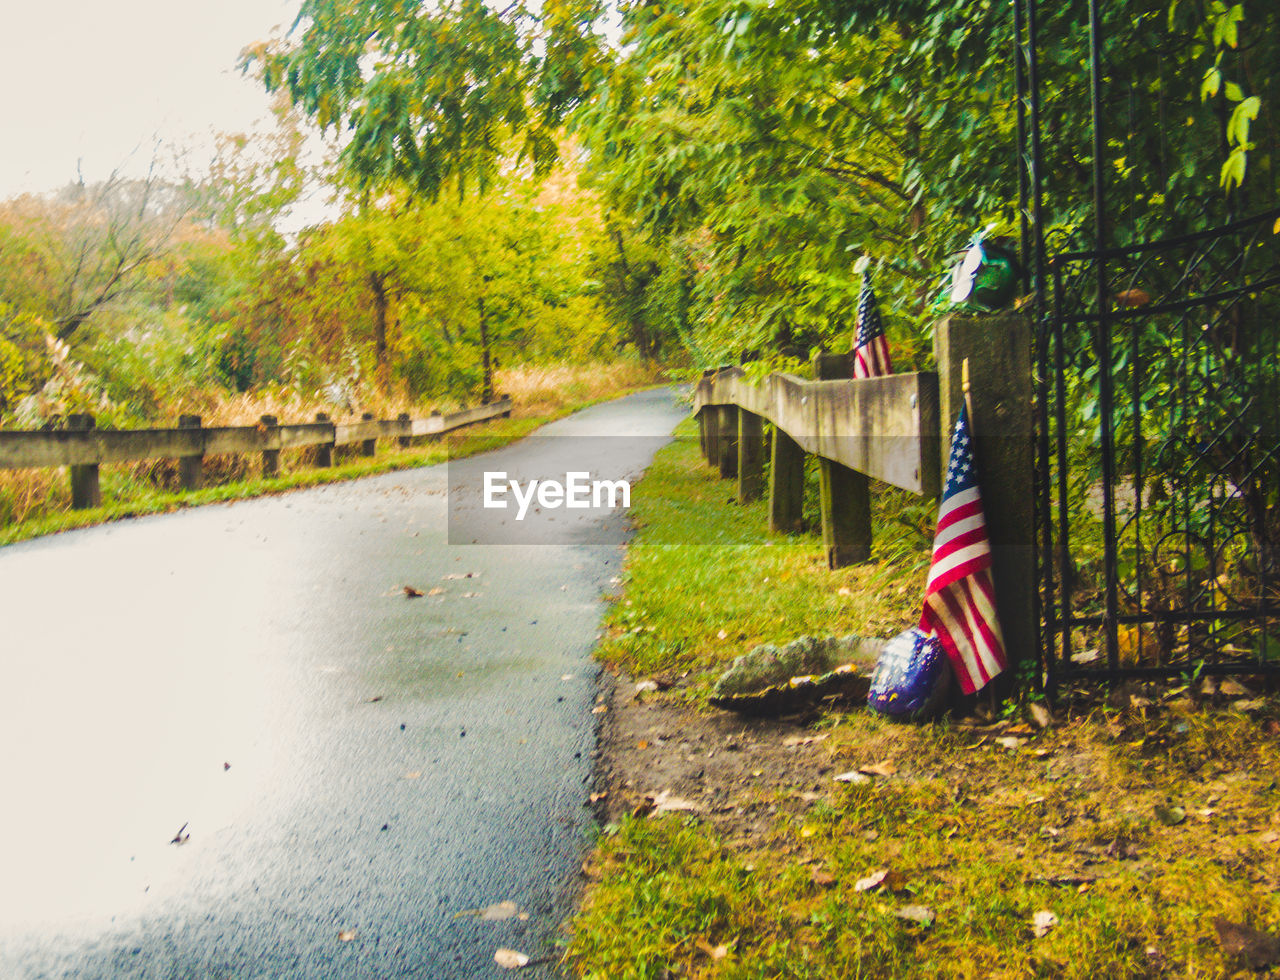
column 959, row 599
column 870, row 346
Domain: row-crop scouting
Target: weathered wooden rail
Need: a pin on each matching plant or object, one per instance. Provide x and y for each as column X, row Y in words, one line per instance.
column 896, row 429
column 83, row 448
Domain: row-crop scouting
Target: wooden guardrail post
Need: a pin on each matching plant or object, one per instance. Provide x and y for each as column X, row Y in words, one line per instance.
column 786, row 484
column 998, row 349
column 369, row 446
column 191, row 468
column 845, row 502
column 324, row 451
column 85, row 491
column 751, row 447
column 727, row 441
column 844, row 494
column 710, row 418
column 404, row 441
column 270, row 457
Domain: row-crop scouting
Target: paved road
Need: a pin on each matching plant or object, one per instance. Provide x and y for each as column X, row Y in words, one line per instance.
column 393, row 762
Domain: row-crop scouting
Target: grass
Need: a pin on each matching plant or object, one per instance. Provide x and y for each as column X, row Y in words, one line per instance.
column 703, row 566
column 38, row 502
column 1134, row 820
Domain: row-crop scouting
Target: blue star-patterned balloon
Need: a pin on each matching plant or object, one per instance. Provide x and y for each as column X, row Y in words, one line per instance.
column 911, row 676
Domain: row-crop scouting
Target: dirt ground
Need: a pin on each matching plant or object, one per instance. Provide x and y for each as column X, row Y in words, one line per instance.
column 656, row 752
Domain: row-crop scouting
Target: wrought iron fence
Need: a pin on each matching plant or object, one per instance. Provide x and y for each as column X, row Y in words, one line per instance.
column 1158, row 350
column 1160, row 523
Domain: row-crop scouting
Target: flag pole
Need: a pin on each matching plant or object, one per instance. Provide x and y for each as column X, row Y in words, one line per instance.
column 968, row 407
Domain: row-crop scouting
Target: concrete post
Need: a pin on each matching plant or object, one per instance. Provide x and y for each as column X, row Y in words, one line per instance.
column 369, row 446
column 998, row 349
column 191, row 468
column 85, row 490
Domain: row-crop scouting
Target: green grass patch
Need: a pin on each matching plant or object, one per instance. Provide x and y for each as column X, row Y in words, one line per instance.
column 705, row 581
column 1134, row 826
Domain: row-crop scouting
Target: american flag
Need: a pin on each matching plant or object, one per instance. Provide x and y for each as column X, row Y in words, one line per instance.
column 959, row 599
column 870, row 348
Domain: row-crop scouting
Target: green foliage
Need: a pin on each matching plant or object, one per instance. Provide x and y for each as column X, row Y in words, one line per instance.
column 432, row 95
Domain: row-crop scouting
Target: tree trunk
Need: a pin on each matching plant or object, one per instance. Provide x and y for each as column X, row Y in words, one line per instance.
column 486, row 356
column 377, row 282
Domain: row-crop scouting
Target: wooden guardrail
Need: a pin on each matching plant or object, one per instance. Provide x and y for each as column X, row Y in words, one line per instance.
column 83, row 448
column 896, row 429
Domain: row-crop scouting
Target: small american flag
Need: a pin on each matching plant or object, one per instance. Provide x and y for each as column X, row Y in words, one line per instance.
column 959, row 599
column 870, row 347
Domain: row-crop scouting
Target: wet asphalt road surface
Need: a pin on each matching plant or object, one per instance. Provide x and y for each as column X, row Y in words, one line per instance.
column 349, row 770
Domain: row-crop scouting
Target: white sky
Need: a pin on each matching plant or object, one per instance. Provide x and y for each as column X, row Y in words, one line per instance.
column 101, row 81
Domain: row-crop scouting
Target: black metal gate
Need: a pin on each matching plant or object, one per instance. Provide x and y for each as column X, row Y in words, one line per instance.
column 1158, row 358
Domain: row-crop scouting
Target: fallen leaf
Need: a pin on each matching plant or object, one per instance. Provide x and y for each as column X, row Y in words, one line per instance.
column 1170, row 816
column 822, row 878
column 1256, row 704
column 852, row 776
column 597, row 797
column 885, row 768
column 412, row 593
column 664, row 802
column 413, row 775
column 180, row 838
column 722, row 635
column 1123, row 850
column 1259, row 949
column 844, row 590
column 509, row 959
column 1043, row 923
column 887, row 879
column 599, row 709
column 470, row 595
column 436, row 591
column 1040, row 714
column 647, row 686
column 714, row 952
column 1233, row 689
column 916, row 913
column 1010, row 742
column 499, row 911
column 795, row 740
column 642, row 744
column 373, row 700
column 346, row 935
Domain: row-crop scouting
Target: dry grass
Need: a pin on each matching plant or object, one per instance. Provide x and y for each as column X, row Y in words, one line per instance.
column 30, row 497
column 537, row 389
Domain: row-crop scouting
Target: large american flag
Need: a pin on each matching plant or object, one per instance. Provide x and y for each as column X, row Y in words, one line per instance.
column 959, row 599
column 870, row 347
